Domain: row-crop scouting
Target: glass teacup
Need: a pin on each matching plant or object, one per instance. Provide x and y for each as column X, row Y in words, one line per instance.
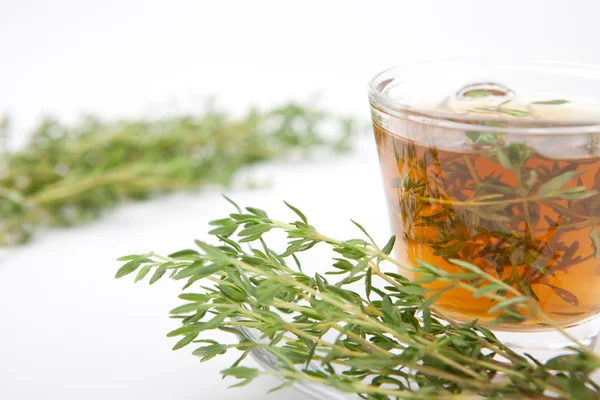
column 498, row 164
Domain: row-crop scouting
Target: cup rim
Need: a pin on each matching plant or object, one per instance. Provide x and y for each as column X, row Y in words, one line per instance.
column 453, row 121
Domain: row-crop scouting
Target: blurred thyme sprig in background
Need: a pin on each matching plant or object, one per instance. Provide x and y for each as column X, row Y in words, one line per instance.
column 364, row 331
column 65, row 175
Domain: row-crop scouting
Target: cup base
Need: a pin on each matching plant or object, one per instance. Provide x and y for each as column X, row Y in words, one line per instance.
column 544, row 345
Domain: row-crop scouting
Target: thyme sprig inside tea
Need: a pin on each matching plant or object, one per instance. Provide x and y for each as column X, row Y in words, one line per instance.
column 356, row 327
column 488, row 209
column 498, row 202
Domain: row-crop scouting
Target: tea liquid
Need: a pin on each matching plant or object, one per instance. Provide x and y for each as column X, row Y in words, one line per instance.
column 524, row 209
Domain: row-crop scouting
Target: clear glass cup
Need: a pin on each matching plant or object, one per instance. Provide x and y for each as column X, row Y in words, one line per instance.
column 498, row 164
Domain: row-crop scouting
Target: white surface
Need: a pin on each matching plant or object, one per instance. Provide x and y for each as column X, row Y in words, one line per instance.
column 68, row 330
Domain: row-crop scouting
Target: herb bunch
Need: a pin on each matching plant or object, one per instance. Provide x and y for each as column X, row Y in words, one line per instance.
column 361, row 329
column 68, row 174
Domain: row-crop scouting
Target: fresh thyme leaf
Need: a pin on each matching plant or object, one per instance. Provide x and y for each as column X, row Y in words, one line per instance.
column 387, row 249
column 143, row 272
column 159, row 272
column 485, row 290
column 508, row 302
column 131, row 266
column 246, row 374
column 128, row 258
column 595, row 238
column 298, row 212
column 481, row 138
column 212, row 350
column 187, row 254
column 553, row 185
column 450, row 250
column 185, row 341
column 569, row 314
column 566, row 296
column 502, row 110
column 513, row 112
column 478, row 93
column 579, row 389
column 369, row 283
column 552, row 102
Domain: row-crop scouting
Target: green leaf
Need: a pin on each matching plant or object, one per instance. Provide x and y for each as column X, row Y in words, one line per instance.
column 513, row 112
column 208, row 352
column 595, row 238
column 478, row 93
column 244, row 373
column 482, row 138
column 198, row 270
column 284, row 385
column 129, row 257
column 297, row 211
column 363, row 231
column 368, row 283
column 160, row 271
column 195, row 297
column 487, row 289
column 372, row 362
column 552, row 102
column 258, row 212
column 578, row 193
column 143, row 272
column 532, row 178
column 198, row 327
column 233, row 293
column 131, row 266
column 387, row 249
column 185, row 341
column 187, row 254
column 186, row 308
column 239, row 210
column 578, row 389
column 266, row 291
column 413, row 290
column 244, row 217
column 230, row 242
column 449, row 250
column 554, row 184
column 212, row 251
column 504, row 160
column 566, row 296
column 489, row 335
column 224, row 231
column 427, row 319
column 561, row 363
column 430, row 300
column 508, row 303
column 254, row 232
column 241, row 372
column 389, row 310
column 222, row 222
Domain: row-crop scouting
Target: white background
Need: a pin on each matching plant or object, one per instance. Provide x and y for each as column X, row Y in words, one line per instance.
column 68, row 330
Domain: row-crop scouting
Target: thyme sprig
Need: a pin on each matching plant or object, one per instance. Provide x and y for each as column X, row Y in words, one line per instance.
column 67, row 174
column 364, row 330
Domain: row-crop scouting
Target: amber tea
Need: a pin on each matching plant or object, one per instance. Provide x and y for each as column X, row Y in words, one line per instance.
column 525, row 209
